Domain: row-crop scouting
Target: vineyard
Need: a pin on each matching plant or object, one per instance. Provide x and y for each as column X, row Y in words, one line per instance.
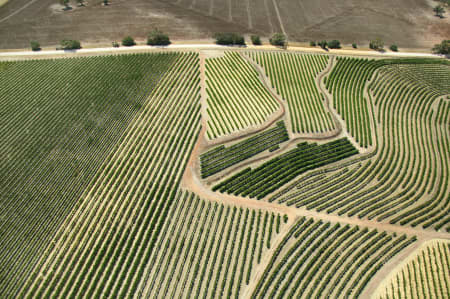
column 221, row 157
column 276, row 172
column 320, row 259
column 56, row 133
column 213, row 252
column 405, row 179
column 426, row 275
column 293, row 76
column 236, row 97
column 224, row 174
column 104, row 249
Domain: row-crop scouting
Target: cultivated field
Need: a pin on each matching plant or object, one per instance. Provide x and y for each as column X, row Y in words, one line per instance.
column 408, row 23
column 237, row 99
column 426, row 275
column 57, row 132
column 294, row 78
column 224, row 174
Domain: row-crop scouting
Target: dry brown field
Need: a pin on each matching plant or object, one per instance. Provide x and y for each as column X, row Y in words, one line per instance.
column 410, row 24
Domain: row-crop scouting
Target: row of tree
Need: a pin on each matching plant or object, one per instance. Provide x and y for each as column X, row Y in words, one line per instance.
column 154, row 38
column 237, row 39
column 67, row 6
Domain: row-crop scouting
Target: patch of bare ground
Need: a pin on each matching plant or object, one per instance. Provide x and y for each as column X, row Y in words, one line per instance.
column 409, row 24
column 22, row 21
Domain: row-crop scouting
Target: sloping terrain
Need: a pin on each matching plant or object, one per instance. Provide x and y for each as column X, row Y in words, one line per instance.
column 60, row 120
column 425, row 275
column 111, row 188
column 410, row 24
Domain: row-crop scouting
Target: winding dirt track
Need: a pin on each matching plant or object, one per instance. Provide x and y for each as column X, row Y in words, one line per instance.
column 191, row 181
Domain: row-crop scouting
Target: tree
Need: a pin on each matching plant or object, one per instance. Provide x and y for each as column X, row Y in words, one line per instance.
column 256, row 40
column 354, row 45
column 312, row 43
column 67, row 44
column 128, row 41
column 158, row 38
column 442, row 48
column 35, row 46
column 115, row 44
column 394, row 48
column 229, row 39
column 439, row 11
column 278, row 40
column 80, row 2
column 376, row 44
column 105, row 2
column 334, row 44
column 323, row 44
column 65, row 3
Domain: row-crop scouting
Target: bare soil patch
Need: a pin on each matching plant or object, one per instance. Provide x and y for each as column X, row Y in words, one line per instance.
column 45, row 22
column 409, row 24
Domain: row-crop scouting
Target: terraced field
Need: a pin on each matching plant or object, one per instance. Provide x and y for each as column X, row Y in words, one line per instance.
column 426, row 275
column 115, row 183
column 236, row 97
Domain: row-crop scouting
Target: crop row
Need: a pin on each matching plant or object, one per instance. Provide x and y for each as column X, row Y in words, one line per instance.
column 104, row 248
column 222, row 157
column 426, row 275
column 205, row 249
column 405, row 179
column 276, row 172
column 346, row 83
column 318, row 259
column 61, row 119
column 293, row 76
column 236, row 97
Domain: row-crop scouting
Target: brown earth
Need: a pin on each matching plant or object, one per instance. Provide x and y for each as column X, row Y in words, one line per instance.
column 408, row 23
column 46, row 22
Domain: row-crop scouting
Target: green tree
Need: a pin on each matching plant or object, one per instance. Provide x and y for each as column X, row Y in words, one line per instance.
column 354, row 45
column 312, row 43
column 334, row 44
column 442, row 48
column 439, row 11
column 80, row 2
column 376, row 44
column 229, row 39
column 256, row 40
column 158, row 38
column 35, row 46
column 105, row 2
column 128, row 41
column 323, row 44
column 68, row 44
column 394, row 48
column 278, row 40
column 65, row 3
